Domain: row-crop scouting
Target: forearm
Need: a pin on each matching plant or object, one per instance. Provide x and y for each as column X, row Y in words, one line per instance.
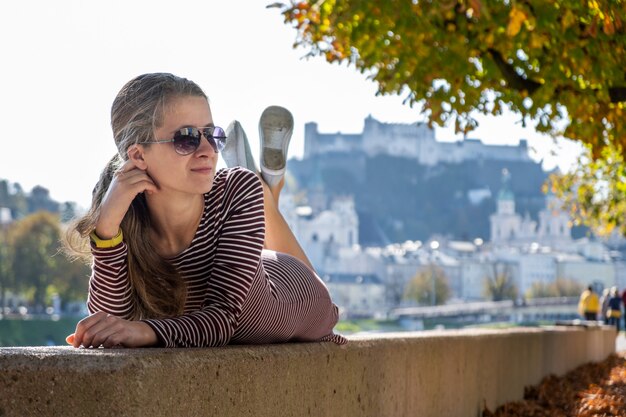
column 207, row 328
column 109, row 286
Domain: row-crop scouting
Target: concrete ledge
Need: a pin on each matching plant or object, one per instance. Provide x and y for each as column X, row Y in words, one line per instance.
column 434, row 373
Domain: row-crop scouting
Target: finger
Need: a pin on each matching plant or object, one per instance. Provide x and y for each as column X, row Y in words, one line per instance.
column 142, row 181
column 114, row 340
column 70, row 339
column 94, row 336
column 81, row 326
column 85, row 324
column 105, row 335
column 124, row 333
column 137, row 180
column 129, row 165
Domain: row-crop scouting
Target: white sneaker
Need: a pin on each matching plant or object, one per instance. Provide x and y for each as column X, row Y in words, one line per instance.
column 275, row 130
column 237, row 152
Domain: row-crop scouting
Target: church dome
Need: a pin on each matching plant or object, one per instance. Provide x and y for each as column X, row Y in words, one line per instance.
column 505, row 193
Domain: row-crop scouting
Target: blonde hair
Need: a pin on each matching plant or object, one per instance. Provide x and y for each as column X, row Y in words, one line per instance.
column 159, row 289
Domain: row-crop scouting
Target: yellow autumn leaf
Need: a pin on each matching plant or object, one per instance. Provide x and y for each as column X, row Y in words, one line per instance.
column 489, row 39
column 568, row 19
column 536, row 41
column 516, row 19
column 608, row 27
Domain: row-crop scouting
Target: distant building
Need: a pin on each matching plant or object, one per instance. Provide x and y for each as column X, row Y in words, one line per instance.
column 545, row 251
column 585, row 271
column 369, row 280
column 544, row 265
column 357, row 295
column 527, row 265
column 555, row 225
column 507, row 226
column 474, row 271
column 322, row 235
column 414, row 140
column 620, row 274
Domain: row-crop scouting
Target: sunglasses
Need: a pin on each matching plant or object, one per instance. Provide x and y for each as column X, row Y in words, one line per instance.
column 187, row 139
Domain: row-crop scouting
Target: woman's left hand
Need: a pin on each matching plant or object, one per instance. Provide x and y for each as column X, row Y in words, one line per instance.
column 102, row 329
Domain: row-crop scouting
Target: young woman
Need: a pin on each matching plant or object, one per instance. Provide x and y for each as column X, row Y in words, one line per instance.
column 184, row 255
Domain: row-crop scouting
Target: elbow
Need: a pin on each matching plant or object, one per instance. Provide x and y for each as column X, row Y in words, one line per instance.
column 223, row 336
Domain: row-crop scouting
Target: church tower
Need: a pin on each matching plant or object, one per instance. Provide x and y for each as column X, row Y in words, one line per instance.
column 505, row 223
column 554, row 224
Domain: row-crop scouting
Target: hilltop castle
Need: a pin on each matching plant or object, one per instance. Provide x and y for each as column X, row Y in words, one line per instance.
column 412, row 140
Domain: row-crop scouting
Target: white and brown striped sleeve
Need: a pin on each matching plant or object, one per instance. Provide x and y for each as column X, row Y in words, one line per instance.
column 237, row 261
column 109, row 288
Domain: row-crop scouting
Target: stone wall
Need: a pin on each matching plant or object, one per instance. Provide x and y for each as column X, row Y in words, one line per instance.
column 433, row 373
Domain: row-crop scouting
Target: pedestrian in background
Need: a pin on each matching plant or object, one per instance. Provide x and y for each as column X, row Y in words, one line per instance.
column 589, row 304
column 614, row 311
column 624, row 304
column 604, row 305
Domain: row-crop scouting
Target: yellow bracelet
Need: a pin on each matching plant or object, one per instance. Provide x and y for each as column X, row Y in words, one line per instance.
column 108, row 243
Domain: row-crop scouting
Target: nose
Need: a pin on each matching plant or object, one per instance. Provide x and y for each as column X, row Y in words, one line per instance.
column 208, row 144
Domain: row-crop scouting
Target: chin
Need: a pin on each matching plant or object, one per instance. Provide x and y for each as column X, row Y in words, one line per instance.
column 206, row 186
column 202, row 180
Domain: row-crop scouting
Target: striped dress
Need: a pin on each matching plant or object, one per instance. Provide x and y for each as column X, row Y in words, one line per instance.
column 237, row 292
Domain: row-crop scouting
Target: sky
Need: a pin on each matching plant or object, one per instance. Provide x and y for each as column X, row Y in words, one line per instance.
column 64, row 61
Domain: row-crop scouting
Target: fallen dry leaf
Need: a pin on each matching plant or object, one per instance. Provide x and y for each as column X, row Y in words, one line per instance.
column 591, row 390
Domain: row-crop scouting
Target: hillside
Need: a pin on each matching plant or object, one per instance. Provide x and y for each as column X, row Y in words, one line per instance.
column 408, row 201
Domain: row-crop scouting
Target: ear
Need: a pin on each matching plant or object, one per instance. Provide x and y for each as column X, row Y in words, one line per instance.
column 136, row 154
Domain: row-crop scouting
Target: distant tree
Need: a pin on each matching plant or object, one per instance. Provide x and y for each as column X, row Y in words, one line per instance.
column 70, row 278
column 19, row 203
column 5, row 197
column 39, row 199
column 7, row 280
column 594, row 192
column 568, row 287
column 35, row 241
column 561, row 287
column 68, row 211
column 395, row 288
column 420, row 287
column 541, row 290
column 498, row 283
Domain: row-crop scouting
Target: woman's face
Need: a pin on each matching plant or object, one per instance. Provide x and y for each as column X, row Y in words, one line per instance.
column 191, row 173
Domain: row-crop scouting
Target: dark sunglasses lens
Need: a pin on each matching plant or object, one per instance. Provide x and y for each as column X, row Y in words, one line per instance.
column 186, row 141
column 216, row 137
column 220, row 138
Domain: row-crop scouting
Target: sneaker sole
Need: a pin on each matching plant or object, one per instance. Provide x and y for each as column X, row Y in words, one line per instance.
column 275, row 130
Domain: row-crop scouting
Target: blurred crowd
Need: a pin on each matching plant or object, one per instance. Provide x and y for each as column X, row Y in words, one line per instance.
column 606, row 307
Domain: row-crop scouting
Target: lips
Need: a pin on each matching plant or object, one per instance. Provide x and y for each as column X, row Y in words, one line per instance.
column 202, row 170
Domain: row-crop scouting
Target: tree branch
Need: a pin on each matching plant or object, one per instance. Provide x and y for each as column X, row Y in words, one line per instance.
column 617, row 94
column 513, row 79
